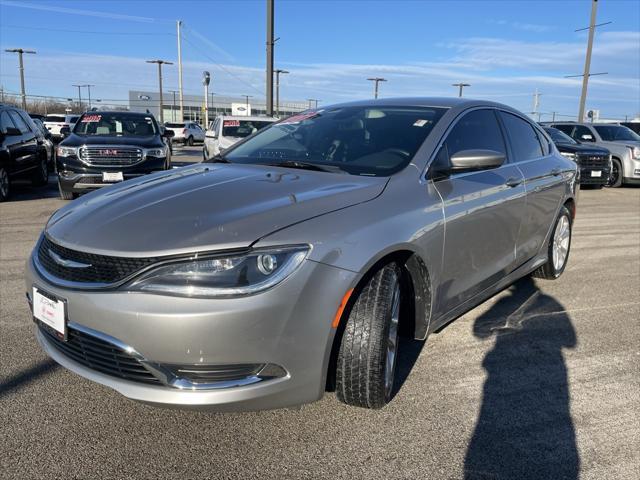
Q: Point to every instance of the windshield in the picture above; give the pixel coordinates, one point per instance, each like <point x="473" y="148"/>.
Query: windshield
<point x="242" y="128"/>
<point x="377" y="141"/>
<point x="559" y="137"/>
<point x="54" y="118"/>
<point x="613" y="133"/>
<point x="116" y="124"/>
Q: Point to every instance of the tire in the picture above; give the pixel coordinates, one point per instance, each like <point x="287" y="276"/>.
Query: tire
<point x="205" y="157"/>
<point x="554" y="267"/>
<point x="190" y="141"/>
<point x="5" y="185"/>
<point x="41" y="173"/>
<point x="65" y="195"/>
<point x="366" y="361"/>
<point x="615" y="179"/>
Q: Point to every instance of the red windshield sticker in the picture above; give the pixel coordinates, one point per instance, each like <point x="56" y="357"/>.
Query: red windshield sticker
<point x="91" y="118"/>
<point x="299" y="118"/>
<point x="231" y="123"/>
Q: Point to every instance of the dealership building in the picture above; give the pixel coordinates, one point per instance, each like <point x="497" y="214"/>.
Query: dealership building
<point x="142" y="101"/>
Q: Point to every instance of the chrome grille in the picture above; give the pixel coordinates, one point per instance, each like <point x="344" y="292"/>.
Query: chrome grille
<point x="111" y="156"/>
<point x="98" y="354"/>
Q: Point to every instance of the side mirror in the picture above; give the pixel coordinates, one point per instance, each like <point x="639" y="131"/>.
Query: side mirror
<point x="210" y="134"/>
<point x="12" y="132"/>
<point x="469" y="160"/>
<point x="65" y="131"/>
<point x="587" y="138"/>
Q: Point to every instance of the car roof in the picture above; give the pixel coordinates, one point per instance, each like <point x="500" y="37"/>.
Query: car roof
<point x="446" y="102"/>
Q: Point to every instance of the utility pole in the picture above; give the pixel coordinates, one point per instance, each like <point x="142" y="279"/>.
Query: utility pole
<point x="160" y="63"/>
<point x="376" y="81"/>
<point x="179" y="27"/>
<point x="173" y="105"/>
<point x="278" y="72"/>
<point x="553" y="116"/>
<point x="536" y="104"/>
<point x="270" y="43"/>
<point x="89" y="93"/>
<point x="79" y="97"/>
<point x="460" y="87"/>
<point x="20" y="51"/>
<point x="247" y="97"/>
<point x="206" y="79"/>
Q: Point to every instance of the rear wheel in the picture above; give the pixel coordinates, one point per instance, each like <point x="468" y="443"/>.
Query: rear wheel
<point x="558" y="248"/>
<point x="190" y="141"/>
<point x="5" y="185"/>
<point x="41" y="173"/>
<point x="615" y="180"/>
<point x="367" y="357"/>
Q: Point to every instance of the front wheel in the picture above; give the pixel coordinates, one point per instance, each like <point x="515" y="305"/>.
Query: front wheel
<point x="368" y="351"/>
<point x="558" y="248"/>
<point x="615" y="180"/>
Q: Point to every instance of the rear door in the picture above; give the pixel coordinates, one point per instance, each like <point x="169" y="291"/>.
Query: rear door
<point x="544" y="183"/>
<point x="483" y="212"/>
<point x="12" y="143"/>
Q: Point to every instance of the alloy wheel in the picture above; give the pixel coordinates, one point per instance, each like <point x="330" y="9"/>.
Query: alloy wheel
<point x="392" y="342"/>
<point x="561" y="239"/>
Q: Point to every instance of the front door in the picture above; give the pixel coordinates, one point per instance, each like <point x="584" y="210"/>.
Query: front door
<point x="482" y="210"/>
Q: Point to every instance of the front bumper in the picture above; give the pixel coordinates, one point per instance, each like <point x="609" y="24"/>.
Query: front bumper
<point x="288" y="326"/>
<point x="76" y="176"/>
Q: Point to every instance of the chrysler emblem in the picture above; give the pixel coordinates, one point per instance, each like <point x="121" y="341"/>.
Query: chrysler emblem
<point x="65" y="262"/>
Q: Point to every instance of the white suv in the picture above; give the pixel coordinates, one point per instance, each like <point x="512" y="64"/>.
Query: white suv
<point x="225" y="131"/>
<point x="55" y="121"/>
<point x="187" y="133"/>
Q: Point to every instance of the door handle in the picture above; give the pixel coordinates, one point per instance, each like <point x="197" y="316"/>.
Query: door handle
<point x="513" y="182"/>
<point x="556" y="172"/>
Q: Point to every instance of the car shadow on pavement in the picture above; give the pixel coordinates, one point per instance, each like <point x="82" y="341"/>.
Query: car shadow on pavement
<point x="524" y="429"/>
<point x="20" y="379"/>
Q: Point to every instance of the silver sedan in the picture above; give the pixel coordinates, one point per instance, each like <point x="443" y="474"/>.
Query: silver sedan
<point x="292" y="264"/>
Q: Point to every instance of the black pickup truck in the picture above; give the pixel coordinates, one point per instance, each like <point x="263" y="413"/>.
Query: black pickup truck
<point x="594" y="162"/>
<point x="108" y="147"/>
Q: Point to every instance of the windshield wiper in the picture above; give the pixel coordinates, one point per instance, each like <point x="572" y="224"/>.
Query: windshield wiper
<point x="218" y="159"/>
<point x="307" y="166"/>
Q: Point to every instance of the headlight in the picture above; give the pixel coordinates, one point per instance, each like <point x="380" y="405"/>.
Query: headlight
<point x="635" y="153"/>
<point x="223" y="276"/>
<point x="571" y="156"/>
<point x="155" y="152"/>
<point x="67" y="151"/>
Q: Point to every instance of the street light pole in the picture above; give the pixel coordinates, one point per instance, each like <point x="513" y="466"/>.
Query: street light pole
<point x="160" y="63"/>
<point x="79" y="97"/>
<point x="206" y="79"/>
<point x="179" y="28"/>
<point x="376" y="81"/>
<point x="89" y="93"/>
<point x="173" y="106"/>
<point x="460" y="87"/>
<point x="20" y="51"/>
<point x="278" y="72"/>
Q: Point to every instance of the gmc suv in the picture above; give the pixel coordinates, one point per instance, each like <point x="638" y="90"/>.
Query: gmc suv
<point x="109" y="147"/>
<point x="622" y="142"/>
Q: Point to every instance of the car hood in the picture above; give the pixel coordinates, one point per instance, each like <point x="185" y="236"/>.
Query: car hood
<point x="143" y="141"/>
<point x="582" y="149"/>
<point x="630" y="143"/>
<point x="203" y="207"/>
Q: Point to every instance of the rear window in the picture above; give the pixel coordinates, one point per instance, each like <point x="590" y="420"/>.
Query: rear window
<point x="242" y="128"/>
<point x="174" y="125"/>
<point x="54" y="118"/>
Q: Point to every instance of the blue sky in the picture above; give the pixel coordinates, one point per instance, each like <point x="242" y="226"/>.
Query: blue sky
<point x="505" y="49"/>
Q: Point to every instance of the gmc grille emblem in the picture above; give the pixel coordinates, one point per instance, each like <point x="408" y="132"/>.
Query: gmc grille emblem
<point x="108" y="152"/>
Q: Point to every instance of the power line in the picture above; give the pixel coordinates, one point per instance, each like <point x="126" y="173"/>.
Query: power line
<point x="21" y="27"/>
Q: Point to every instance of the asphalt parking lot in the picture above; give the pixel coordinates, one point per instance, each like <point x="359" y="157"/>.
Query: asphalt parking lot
<point x="542" y="381"/>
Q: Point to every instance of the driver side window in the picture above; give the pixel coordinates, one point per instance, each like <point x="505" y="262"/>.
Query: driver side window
<point x="477" y="130"/>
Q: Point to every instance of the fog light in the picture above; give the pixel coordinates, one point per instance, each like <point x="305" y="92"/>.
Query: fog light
<point x="267" y="264"/>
